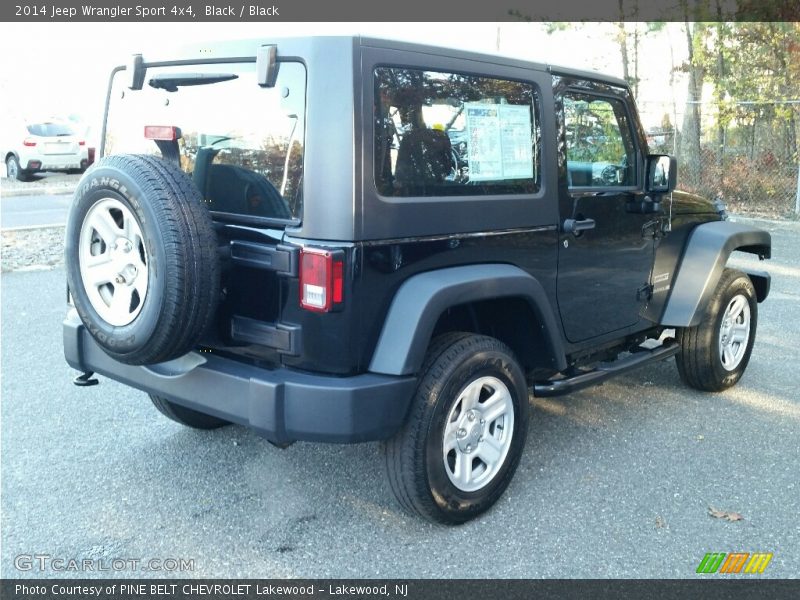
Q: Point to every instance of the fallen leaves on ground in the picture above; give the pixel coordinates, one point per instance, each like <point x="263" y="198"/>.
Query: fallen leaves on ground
<point x="728" y="515"/>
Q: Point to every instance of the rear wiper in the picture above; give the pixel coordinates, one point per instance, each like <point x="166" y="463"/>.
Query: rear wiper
<point x="171" y="83"/>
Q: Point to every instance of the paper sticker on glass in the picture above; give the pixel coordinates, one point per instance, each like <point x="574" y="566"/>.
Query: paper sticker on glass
<point x="500" y="141"/>
<point x="448" y="134"/>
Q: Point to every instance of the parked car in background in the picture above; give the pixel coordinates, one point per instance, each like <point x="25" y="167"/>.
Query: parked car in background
<point x="45" y="146"/>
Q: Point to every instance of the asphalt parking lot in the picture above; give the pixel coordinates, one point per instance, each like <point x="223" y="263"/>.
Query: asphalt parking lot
<point x="616" y="481"/>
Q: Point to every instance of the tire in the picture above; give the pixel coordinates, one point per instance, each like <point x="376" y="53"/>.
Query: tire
<point x="429" y="481"/>
<point x="14" y="171"/>
<point x="714" y="355"/>
<point x="141" y="257"/>
<point x="186" y="416"/>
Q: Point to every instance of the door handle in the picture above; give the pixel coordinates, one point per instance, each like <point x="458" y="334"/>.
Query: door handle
<point x="577" y="226"/>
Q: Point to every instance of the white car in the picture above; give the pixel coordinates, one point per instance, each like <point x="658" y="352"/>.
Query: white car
<point x="45" y="146"/>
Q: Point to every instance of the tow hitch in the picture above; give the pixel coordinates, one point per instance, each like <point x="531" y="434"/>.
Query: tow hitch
<point x="85" y="379"/>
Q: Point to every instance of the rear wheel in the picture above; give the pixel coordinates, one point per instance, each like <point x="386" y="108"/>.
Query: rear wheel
<point x="463" y="440"/>
<point x="14" y="171"/>
<point x="186" y="416"/>
<point x="715" y="353"/>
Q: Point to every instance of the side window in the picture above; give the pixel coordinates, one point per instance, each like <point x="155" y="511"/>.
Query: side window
<point x="447" y="134"/>
<point x="600" y="148"/>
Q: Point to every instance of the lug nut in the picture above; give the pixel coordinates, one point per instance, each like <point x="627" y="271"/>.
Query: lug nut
<point x="119" y="279"/>
<point x="469" y="448"/>
<point x="480" y="439"/>
<point x="471" y="416"/>
<point x="483" y="421"/>
<point x="462" y="433"/>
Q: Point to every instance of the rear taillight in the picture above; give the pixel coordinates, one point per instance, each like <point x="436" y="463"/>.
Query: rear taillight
<point x="82" y="143"/>
<point x="166" y="133"/>
<point x="29" y="143"/>
<point x="321" y="280"/>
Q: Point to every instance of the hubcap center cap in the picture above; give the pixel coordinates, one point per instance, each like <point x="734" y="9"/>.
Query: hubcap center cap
<point x="122" y="246"/>
<point x="121" y="254"/>
<point x="471" y="430"/>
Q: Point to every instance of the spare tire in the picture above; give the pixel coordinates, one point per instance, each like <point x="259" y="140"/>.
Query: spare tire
<point x="141" y="255"/>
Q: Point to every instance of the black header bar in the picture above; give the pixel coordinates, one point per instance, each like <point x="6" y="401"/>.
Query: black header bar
<point x="405" y="10"/>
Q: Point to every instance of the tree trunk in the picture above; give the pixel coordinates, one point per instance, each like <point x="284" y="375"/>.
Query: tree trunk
<point x="721" y="116"/>
<point x="690" y="134"/>
<point x="636" y="61"/>
<point x="622" y="40"/>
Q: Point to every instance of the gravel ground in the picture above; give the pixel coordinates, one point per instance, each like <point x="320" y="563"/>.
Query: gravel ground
<point x="29" y="249"/>
<point x="40" y="183"/>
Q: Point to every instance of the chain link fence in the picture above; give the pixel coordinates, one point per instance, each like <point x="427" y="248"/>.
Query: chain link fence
<point x="750" y="161"/>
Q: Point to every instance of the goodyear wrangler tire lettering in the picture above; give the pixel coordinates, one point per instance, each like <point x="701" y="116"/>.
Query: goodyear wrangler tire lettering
<point x="141" y="258"/>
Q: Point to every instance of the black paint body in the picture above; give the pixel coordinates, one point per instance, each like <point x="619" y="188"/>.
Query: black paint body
<point x="599" y="284"/>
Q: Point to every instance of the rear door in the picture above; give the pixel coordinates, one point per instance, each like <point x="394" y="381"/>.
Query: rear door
<point x="605" y="245"/>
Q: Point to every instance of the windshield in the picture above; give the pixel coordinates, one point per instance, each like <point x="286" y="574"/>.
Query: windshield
<point x="242" y="144"/>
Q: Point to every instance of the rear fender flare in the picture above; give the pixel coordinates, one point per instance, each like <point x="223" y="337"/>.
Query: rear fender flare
<point x="420" y="301"/>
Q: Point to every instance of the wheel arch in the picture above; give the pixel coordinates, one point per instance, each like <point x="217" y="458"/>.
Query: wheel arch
<point x="704" y="258"/>
<point x="423" y="301"/>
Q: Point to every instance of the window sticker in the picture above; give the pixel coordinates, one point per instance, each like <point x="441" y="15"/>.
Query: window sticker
<point x="500" y="141"/>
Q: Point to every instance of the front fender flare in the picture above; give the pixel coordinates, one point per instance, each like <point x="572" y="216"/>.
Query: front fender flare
<point x="420" y="301"/>
<point x="704" y="258"/>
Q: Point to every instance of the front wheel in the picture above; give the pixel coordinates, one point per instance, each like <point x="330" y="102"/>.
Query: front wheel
<point x="714" y="354"/>
<point x="464" y="436"/>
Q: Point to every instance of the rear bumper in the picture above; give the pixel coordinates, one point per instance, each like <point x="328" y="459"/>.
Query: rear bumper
<point x="281" y="405"/>
<point x="57" y="163"/>
<point x="36" y="161"/>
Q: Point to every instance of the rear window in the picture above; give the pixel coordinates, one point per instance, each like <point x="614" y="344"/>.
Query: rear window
<point x="241" y="144"/>
<point x="50" y="129"/>
<point x="448" y="134"/>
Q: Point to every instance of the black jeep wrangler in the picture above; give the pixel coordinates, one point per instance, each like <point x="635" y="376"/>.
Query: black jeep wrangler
<point x="349" y="239"/>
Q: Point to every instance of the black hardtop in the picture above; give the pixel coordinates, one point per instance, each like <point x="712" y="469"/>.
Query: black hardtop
<point x="498" y="59"/>
<point x="339" y="202"/>
<point x="293" y="45"/>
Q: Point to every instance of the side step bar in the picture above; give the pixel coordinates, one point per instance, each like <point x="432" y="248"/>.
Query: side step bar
<point x="603" y="371"/>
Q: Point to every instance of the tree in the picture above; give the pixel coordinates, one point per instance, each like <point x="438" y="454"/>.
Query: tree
<point x="690" y="139"/>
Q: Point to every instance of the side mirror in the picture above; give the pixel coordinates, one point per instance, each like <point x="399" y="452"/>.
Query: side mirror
<point x="662" y="173"/>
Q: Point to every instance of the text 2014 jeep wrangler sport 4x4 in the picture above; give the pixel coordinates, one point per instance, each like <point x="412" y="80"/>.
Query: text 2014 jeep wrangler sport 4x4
<point x="349" y="239"/>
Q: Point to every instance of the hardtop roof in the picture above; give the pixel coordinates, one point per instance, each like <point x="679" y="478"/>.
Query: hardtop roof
<point x="490" y="58"/>
<point x="238" y="48"/>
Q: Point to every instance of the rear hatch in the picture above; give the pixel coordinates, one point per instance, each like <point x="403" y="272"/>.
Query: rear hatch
<point x="55" y="139"/>
<point x="242" y="145"/>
